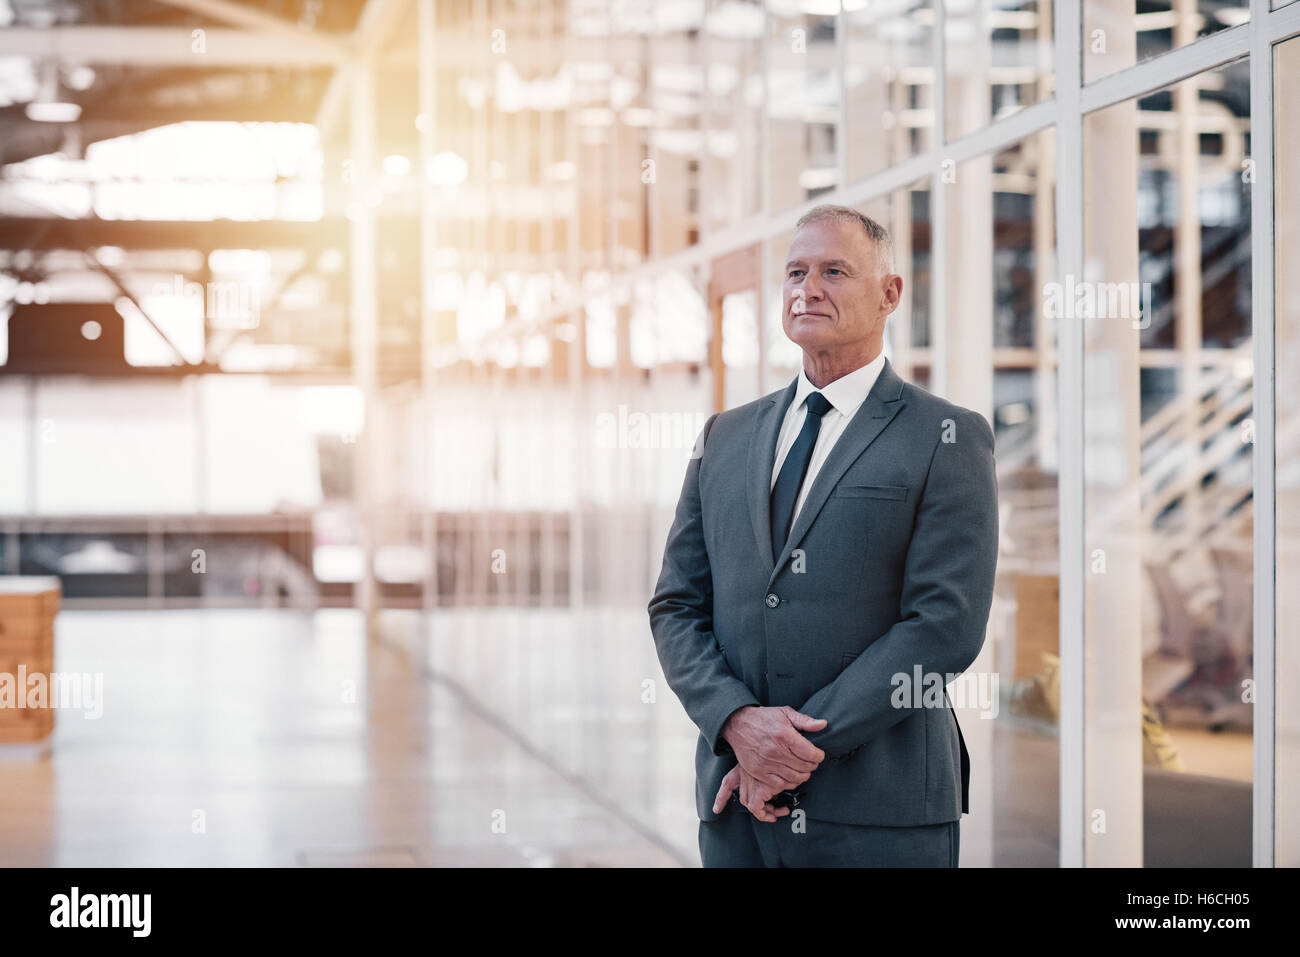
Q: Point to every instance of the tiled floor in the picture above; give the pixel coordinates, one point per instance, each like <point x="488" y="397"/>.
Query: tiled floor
<point x="272" y="738"/>
<point x="498" y="737"/>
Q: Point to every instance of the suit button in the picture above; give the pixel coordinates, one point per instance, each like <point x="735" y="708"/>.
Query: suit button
<point x="772" y="601"/>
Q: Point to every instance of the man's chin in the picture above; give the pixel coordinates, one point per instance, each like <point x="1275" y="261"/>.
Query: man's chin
<point x="810" y="340"/>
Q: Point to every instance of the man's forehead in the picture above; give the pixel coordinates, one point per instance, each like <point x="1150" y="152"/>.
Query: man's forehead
<point x="823" y="245"/>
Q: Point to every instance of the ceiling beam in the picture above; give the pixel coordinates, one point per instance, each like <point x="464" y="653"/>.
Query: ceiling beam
<point x="38" y="234"/>
<point x="250" y="18"/>
<point x="165" y="46"/>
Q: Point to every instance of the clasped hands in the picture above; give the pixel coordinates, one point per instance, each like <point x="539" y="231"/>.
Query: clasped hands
<point x="774" y="756"/>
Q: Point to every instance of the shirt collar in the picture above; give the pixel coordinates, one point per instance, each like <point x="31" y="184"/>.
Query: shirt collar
<point x="848" y="391"/>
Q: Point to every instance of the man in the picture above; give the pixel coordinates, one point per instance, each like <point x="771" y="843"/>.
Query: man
<point x="833" y="548"/>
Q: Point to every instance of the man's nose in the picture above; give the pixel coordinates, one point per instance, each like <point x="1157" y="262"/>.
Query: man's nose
<point x="812" y="290"/>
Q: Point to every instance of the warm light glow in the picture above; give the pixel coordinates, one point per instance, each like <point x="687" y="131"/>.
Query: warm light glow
<point x="183" y="171"/>
<point x="53" y="112"/>
<point x="332" y="409"/>
<point x="396" y="165"/>
<point x="80" y="78"/>
<point x="111" y="256"/>
<point x="447" y="169"/>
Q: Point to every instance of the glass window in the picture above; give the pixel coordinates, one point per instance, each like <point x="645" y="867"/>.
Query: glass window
<point x="1117" y="34"/>
<point x="731" y="177"/>
<point x="1165" y="302"/>
<point x="675" y="75"/>
<point x="888" y="84"/>
<point x="999" y="60"/>
<point x="803" y="105"/>
<point x="1000" y="259"/>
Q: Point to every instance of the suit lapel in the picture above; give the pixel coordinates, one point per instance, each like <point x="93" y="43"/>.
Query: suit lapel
<point x="883" y="402"/>
<point x="762" y="456"/>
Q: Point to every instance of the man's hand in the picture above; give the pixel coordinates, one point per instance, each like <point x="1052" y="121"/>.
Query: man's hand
<point x="753" y="796"/>
<point x="770" y="747"/>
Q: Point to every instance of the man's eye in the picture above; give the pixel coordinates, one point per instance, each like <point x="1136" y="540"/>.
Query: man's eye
<point x="832" y="269"/>
<point x="794" y="272"/>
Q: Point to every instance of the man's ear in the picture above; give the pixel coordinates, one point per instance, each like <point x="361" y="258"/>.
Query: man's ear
<point x="892" y="287"/>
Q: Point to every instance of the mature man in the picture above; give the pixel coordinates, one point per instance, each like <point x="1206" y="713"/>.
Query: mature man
<point x="833" y="548"/>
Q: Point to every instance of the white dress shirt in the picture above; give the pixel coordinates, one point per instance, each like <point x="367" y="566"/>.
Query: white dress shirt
<point x="846" y="394"/>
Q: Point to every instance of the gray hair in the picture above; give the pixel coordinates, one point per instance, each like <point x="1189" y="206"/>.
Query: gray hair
<point x="877" y="233"/>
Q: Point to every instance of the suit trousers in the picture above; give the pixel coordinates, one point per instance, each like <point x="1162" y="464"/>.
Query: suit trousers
<point x="738" y="839"/>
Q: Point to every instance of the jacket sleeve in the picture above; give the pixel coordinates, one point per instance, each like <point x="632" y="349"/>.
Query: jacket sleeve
<point x="681" y="618"/>
<point x="944" y="605"/>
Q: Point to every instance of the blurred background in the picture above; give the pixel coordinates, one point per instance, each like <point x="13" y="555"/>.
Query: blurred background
<point x="352" y="352"/>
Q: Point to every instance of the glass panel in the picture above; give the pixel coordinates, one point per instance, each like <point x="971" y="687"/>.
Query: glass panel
<point x="1165" y="300"/>
<point x="917" y="301"/>
<point x="1120" y="33"/>
<point x="735" y="102"/>
<point x="889" y="84"/>
<point x="733" y="311"/>
<point x="1001" y="255"/>
<point x="803" y="106"/>
<point x="675" y="76"/>
<point x="781" y="357"/>
<point x="999" y="60"/>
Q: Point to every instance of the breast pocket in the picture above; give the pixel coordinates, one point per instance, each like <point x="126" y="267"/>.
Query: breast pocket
<point x="896" y="493"/>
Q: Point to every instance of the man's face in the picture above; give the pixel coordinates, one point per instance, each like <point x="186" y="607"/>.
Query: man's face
<point x="837" y="292"/>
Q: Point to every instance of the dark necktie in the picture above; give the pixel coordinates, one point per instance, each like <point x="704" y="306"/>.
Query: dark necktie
<point x="786" y="490"/>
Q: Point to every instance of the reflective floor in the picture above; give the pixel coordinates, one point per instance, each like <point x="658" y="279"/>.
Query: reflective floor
<point x="272" y="738"/>
<point x="505" y="737"/>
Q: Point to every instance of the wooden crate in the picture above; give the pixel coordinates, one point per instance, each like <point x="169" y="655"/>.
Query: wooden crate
<point x="18" y="634"/>
<point x="33" y="661"/>
<point x="28" y="606"/>
<point x="25" y="725"/>
<point x="29" y="596"/>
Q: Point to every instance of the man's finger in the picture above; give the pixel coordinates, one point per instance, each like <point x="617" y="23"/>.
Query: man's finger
<point x="761" y="810"/>
<point x="729" y="784"/>
<point x="779" y="757"/>
<point x="757" y="800"/>
<point x="749" y="797"/>
<point x="804" y="722"/>
<point x="800" y="747"/>
<point x="778" y="779"/>
<point x="789" y="766"/>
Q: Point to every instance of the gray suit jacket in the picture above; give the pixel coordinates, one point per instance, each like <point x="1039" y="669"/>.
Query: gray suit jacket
<point x="897" y="547"/>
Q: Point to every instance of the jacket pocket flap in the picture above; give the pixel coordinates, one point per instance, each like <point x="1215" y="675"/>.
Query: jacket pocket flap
<point x="895" y="492"/>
